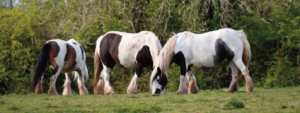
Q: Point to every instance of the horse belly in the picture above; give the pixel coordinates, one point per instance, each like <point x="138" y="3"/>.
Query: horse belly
<point x="203" y="57"/>
<point x="128" y="62"/>
<point x="204" y="62"/>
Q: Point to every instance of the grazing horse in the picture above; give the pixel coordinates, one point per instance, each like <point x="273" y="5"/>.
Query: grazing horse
<point x="204" y="50"/>
<point x="131" y="50"/>
<point x="62" y="56"/>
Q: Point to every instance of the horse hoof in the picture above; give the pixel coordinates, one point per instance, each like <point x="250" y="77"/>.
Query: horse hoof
<point x="193" y="92"/>
<point x="229" y="91"/>
<point x="181" y="92"/>
<point x="52" y="91"/>
<point x="98" y="90"/>
<point x="54" y="94"/>
<point x="249" y="91"/>
<point x="110" y="93"/>
<point x="131" y="92"/>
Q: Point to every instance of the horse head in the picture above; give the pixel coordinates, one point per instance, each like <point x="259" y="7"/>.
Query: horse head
<point x="158" y="81"/>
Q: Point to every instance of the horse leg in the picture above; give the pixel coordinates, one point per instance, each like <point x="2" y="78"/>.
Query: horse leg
<point x="52" y="89"/>
<point x="132" y="88"/>
<point x="100" y="85"/>
<point x="67" y="85"/>
<point x="81" y="85"/>
<point x="245" y="72"/>
<point x="234" y="87"/>
<point x="193" y="88"/>
<point x="39" y="87"/>
<point x="183" y="88"/>
<point x="108" y="90"/>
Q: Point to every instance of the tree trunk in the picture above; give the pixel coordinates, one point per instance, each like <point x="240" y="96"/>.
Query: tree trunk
<point x="11" y="4"/>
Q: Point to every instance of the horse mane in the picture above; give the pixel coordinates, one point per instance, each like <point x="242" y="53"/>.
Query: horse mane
<point x="166" y="54"/>
<point x="165" y="57"/>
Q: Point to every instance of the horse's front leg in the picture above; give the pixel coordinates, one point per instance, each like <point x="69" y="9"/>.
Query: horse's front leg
<point x="132" y="88"/>
<point x="183" y="87"/>
<point x="67" y="85"/>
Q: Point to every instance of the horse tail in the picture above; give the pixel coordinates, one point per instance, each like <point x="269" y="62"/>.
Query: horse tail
<point x="41" y="65"/>
<point x="246" y="53"/>
<point x="97" y="66"/>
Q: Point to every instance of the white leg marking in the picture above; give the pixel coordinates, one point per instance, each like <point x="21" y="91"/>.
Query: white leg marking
<point x="52" y="89"/>
<point x="183" y="89"/>
<point x="132" y="88"/>
<point x="245" y="72"/>
<point x="67" y="86"/>
<point x="234" y="83"/>
<point x="108" y="90"/>
<point x="81" y="86"/>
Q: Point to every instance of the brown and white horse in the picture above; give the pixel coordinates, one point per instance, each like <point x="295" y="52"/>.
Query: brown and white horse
<point x="126" y="49"/>
<point x="204" y="50"/>
<point x="63" y="57"/>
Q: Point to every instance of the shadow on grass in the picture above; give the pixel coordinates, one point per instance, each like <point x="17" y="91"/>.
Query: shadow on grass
<point x="2" y="102"/>
<point x="13" y="108"/>
<point x="233" y="104"/>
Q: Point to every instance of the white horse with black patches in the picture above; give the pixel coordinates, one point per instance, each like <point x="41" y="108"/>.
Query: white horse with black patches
<point x="131" y="50"/>
<point x="63" y="57"/>
<point x="202" y="51"/>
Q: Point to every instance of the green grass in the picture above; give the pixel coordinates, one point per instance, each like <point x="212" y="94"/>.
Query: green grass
<point x="262" y="100"/>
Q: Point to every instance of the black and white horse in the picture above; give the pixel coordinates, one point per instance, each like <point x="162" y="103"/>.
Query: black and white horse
<point x="202" y="51"/>
<point x="131" y="50"/>
<point x="63" y="57"/>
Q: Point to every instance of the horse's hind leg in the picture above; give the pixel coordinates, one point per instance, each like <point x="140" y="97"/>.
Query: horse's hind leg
<point x="52" y="89"/>
<point x="39" y="87"/>
<point x="234" y="83"/>
<point x="67" y="85"/>
<point x="132" y="88"/>
<point x="108" y="90"/>
<point x="100" y="85"/>
<point x="81" y="86"/>
<point x="245" y="72"/>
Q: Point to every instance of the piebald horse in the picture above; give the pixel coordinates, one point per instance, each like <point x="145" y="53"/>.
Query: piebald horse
<point x="63" y="57"/>
<point x="204" y="50"/>
<point x="130" y="50"/>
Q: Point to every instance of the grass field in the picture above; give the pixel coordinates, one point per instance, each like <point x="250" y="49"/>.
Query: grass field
<point x="262" y="100"/>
